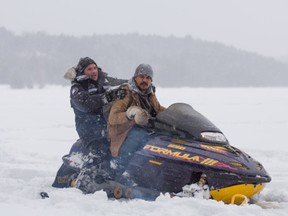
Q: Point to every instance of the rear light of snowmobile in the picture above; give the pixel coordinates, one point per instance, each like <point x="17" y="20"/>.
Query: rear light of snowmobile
<point x="214" y="137"/>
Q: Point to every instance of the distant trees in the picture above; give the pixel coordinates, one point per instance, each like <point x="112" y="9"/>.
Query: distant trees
<point x="40" y="59"/>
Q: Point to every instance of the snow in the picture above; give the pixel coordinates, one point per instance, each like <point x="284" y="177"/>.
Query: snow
<point x="37" y="129"/>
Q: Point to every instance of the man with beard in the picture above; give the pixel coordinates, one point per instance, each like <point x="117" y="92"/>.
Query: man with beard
<point x="129" y="117"/>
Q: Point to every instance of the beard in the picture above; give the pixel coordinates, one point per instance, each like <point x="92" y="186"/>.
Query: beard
<point x="143" y="86"/>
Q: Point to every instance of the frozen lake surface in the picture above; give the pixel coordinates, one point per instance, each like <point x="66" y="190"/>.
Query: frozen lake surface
<point x="37" y="128"/>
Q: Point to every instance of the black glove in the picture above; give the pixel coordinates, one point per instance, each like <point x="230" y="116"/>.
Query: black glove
<point x="119" y="93"/>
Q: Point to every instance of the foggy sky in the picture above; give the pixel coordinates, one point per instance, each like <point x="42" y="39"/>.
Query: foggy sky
<point x="253" y="25"/>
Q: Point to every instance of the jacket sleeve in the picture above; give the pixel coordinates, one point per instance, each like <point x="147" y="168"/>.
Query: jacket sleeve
<point x="83" y="101"/>
<point x="156" y="105"/>
<point x="115" y="81"/>
<point x="160" y="108"/>
<point x="118" y="110"/>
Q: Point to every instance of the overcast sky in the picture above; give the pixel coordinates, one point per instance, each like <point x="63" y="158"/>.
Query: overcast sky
<point x="253" y="25"/>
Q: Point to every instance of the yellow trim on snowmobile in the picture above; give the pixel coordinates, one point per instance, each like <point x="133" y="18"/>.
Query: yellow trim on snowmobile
<point x="155" y="162"/>
<point x="73" y="183"/>
<point x="226" y="194"/>
<point x="245" y="199"/>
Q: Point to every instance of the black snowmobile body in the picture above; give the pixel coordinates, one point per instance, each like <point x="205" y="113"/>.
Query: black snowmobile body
<point x="186" y="145"/>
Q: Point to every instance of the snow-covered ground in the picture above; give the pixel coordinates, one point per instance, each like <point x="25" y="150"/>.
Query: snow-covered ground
<point x="37" y="128"/>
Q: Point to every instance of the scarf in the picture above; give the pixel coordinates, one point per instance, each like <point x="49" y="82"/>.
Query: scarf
<point x="143" y="96"/>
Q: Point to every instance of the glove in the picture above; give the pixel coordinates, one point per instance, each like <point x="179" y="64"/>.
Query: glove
<point x="131" y="111"/>
<point x="140" y="115"/>
<point x="142" y="118"/>
<point x="113" y="94"/>
<point x="121" y="93"/>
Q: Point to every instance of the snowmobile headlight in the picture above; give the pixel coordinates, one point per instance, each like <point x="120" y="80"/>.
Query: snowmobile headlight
<point x="259" y="166"/>
<point x="213" y="137"/>
<point x="242" y="166"/>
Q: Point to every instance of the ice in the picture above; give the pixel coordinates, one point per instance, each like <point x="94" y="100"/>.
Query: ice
<point x="37" y="129"/>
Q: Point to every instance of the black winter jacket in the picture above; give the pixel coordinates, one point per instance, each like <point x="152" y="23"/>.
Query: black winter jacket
<point x="86" y="98"/>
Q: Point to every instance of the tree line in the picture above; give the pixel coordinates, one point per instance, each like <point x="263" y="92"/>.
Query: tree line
<point x="39" y="59"/>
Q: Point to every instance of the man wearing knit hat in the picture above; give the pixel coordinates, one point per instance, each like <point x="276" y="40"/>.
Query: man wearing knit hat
<point x="88" y="95"/>
<point x="129" y="116"/>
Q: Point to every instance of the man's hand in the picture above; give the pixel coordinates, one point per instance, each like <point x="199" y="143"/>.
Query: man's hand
<point x="121" y="93"/>
<point x="140" y="115"/>
<point x="113" y="94"/>
<point x="142" y="118"/>
<point x="131" y="111"/>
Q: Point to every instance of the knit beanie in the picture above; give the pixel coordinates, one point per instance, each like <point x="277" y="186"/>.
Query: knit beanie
<point x="144" y="69"/>
<point x="83" y="63"/>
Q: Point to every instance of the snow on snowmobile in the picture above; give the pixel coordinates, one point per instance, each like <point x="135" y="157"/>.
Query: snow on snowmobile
<point x="188" y="155"/>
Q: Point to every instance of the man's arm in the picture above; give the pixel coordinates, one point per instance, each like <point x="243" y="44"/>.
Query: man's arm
<point x="115" y="81"/>
<point x="83" y="101"/>
<point x="118" y="110"/>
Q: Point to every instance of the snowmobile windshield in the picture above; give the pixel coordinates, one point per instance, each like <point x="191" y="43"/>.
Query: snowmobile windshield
<point x="182" y="117"/>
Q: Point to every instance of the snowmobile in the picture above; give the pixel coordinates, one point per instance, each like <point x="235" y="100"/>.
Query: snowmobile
<point x="186" y="154"/>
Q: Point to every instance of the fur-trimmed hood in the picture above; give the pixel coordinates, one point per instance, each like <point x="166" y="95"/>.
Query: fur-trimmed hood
<point x="70" y="74"/>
